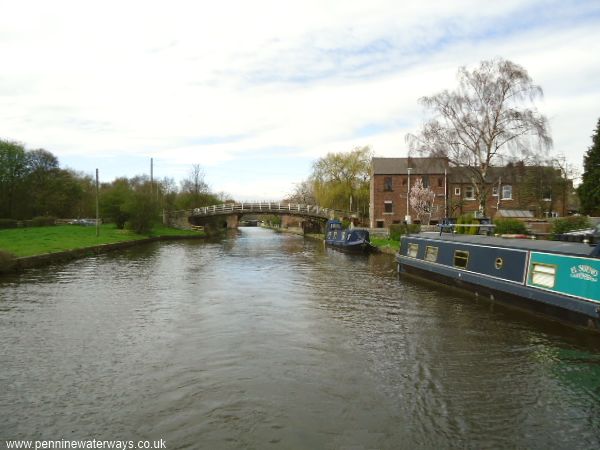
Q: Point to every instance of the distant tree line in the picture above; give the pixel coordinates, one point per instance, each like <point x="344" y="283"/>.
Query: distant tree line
<point x="32" y="184"/>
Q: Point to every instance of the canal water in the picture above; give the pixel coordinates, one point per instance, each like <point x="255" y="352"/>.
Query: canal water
<point x="267" y="340"/>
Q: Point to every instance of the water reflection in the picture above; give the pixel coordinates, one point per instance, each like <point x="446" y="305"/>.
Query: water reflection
<point x="267" y="339"/>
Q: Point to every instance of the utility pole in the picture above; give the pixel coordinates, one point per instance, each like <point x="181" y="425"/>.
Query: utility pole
<point x="407" y="218"/>
<point x="97" y="207"/>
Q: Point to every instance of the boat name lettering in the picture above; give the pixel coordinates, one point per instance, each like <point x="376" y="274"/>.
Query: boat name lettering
<point x="584" y="272"/>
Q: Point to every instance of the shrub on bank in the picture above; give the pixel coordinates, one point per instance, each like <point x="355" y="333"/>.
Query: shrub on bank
<point x="397" y="230"/>
<point x="7" y="261"/>
<point x="570" y="223"/>
<point x="42" y="221"/>
<point x="509" y="226"/>
<point x="8" y="223"/>
<point x="466" y="219"/>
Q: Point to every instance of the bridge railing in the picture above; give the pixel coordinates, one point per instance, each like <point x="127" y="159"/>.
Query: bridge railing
<point x="264" y="208"/>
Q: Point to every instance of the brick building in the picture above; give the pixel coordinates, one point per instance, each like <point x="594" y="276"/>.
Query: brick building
<point x="454" y="191"/>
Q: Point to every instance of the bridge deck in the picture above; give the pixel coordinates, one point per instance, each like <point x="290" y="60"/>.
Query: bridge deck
<point x="267" y="208"/>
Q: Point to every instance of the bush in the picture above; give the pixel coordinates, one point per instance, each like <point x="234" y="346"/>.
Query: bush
<point x="7" y="261"/>
<point x="570" y="223"/>
<point x="509" y="226"/>
<point x="398" y="229"/>
<point x="466" y="219"/>
<point x="8" y="223"/>
<point x="43" y="221"/>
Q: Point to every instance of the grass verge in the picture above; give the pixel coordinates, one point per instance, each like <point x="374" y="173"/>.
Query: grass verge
<point x="386" y="244"/>
<point x="40" y="240"/>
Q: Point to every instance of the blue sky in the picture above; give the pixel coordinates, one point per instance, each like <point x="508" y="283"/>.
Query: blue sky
<point x="256" y="91"/>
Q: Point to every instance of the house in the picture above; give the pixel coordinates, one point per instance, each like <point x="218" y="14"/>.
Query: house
<point x="539" y="189"/>
<point x="390" y="184"/>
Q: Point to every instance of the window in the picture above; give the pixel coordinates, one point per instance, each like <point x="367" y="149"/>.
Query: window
<point x="495" y="191"/>
<point x="431" y="253"/>
<point x="425" y="181"/>
<point x="461" y="258"/>
<point x="379" y="224"/>
<point x="498" y="263"/>
<point x="387" y="184"/>
<point x="440" y="182"/>
<point x="469" y="193"/>
<point x="456" y="191"/>
<point x="507" y="192"/>
<point x="388" y="207"/>
<point x="543" y="275"/>
<point x="412" y="250"/>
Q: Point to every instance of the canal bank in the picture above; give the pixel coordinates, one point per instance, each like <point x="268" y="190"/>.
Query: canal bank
<point x="36" y="247"/>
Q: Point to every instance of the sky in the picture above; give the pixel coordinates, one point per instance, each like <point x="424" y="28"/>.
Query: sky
<point x="256" y="91"/>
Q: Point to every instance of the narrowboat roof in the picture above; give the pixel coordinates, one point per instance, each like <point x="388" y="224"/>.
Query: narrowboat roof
<point x="567" y="248"/>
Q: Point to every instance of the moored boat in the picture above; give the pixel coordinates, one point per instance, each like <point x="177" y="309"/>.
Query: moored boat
<point x="354" y="240"/>
<point x="557" y="279"/>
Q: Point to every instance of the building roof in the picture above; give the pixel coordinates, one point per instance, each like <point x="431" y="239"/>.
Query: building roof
<point x="399" y="166"/>
<point x="514" y="213"/>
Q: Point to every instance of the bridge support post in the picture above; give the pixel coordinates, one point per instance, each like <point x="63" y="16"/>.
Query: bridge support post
<point x="233" y="221"/>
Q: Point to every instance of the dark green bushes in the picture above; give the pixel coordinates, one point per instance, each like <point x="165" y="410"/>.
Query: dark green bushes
<point x="570" y="223"/>
<point x="509" y="226"/>
<point x="43" y="221"/>
<point x="397" y="230"/>
<point x="466" y="219"/>
<point x="8" y="223"/>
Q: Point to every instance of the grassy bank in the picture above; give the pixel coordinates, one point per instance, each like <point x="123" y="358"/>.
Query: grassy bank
<point x="385" y="245"/>
<point x="40" y="240"/>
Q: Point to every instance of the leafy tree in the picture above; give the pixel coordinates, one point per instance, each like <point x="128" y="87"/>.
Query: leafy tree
<point x="13" y="167"/>
<point x="589" y="189"/>
<point x="113" y="198"/>
<point x="141" y="208"/>
<point x="483" y="122"/>
<point x="341" y="180"/>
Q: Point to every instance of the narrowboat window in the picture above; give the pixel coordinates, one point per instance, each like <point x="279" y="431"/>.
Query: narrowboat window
<point x="412" y="251"/>
<point x="461" y="258"/>
<point x="543" y="275"/>
<point x="499" y="263"/>
<point x="431" y="253"/>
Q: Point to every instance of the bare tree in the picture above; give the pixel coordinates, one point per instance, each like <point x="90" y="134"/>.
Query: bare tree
<point x="303" y="193"/>
<point x="484" y="122"/>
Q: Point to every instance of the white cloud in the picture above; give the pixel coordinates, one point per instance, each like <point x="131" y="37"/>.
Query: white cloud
<point x="212" y="82"/>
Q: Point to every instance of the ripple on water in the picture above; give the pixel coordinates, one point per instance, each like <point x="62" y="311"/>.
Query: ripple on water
<point x="266" y="339"/>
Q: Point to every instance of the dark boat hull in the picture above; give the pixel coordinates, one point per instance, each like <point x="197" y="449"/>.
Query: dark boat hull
<point x="350" y="247"/>
<point x="516" y="298"/>
<point x="560" y="281"/>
